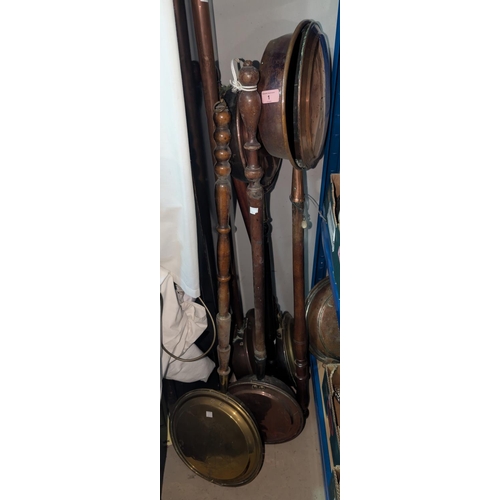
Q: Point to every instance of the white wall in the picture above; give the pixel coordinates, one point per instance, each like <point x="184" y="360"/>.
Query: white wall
<point x="243" y="29"/>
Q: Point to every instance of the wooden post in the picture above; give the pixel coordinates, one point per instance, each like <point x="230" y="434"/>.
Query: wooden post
<point x="300" y="346"/>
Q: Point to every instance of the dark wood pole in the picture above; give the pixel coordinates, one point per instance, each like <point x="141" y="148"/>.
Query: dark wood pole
<point x="300" y="346"/>
<point x="205" y="45"/>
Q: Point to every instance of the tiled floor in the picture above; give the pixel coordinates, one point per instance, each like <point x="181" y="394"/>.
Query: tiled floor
<point x="291" y="471"/>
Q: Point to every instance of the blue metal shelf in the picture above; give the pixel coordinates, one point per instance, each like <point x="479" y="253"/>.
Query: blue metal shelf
<point x="323" y="261"/>
<point x="331" y="160"/>
<point x="322" y="431"/>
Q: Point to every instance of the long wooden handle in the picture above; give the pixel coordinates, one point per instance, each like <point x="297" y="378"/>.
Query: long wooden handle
<point x="222" y="153"/>
<point x="271" y="306"/>
<point x="205" y="45"/>
<point x="300" y="344"/>
<point x="249" y="104"/>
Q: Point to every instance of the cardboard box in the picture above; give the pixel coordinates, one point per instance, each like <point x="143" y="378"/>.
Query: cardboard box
<point x="331" y="209"/>
<point x="334" y="489"/>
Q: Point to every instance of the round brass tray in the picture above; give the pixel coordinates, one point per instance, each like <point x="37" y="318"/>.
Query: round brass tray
<point x="216" y="437"/>
<point x="322" y="323"/>
<point x="273" y="404"/>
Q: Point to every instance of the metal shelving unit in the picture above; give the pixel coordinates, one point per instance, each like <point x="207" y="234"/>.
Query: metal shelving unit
<point x="324" y="263"/>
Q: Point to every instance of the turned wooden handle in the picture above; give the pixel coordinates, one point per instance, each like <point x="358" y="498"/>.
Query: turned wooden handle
<point x="222" y="153"/>
<point x="249" y="105"/>
<point x="270" y="302"/>
<point x="300" y="341"/>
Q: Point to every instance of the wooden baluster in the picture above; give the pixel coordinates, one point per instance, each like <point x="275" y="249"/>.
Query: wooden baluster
<point x="300" y="345"/>
<point x="210" y="84"/>
<point x="249" y="104"/>
<point x="222" y="154"/>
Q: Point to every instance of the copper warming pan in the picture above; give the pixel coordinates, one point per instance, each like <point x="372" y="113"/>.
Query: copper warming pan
<point x="311" y="105"/>
<point x="293" y="128"/>
<point x="271" y="402"/>
<point x="277" y="78"/>
<point x="295" y="89"/>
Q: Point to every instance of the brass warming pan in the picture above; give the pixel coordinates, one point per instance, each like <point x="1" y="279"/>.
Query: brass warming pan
<point x="213" y="433"/>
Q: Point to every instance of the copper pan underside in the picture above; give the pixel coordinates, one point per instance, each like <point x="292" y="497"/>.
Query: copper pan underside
<point x="297" y="66"/>
<point x="322" y="323"/>
<point x="277" y="72"/>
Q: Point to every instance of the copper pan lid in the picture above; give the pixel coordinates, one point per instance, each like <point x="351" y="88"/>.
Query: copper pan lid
<point x="311" y="105"/>
<point x="217" y="437"/>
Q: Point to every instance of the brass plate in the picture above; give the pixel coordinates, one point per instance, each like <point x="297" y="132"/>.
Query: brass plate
<point x="311" y="105"/>
<point x="216" y="437"/>
<point x="322" y="323"/>
<point x="273" y="405"/>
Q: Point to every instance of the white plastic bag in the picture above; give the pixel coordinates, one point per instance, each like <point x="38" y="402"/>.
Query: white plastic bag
<point x="183" y="321"/>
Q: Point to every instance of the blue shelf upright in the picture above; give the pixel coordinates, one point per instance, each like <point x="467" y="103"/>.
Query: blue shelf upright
<point x="323" y="251"/>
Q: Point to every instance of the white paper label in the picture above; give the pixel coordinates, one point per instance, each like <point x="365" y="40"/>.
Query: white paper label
<point x="254" y="211"/>
<point x="209" y="414"/>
